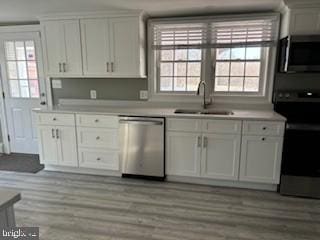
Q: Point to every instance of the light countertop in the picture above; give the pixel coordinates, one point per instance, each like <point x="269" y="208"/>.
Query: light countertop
<point x="8" y="198"/>
<point x="264" y="115"/>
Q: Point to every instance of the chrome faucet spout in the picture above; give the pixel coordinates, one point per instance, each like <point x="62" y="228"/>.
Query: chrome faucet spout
<point x="204" y="104"/>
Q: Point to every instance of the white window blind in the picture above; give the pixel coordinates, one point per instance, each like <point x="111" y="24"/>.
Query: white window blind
<point x="216" y="33"/>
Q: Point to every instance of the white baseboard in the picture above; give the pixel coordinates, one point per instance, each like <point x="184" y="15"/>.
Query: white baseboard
<point x="193" y="180"/>
<point x="223" y="183"/>
<point x="82" y="170"/>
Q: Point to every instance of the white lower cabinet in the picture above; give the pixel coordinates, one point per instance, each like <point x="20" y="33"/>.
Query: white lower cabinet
<point x="223" y="150"/>
<point x="183" y="154"/>
<point x="58" y="145"/>
<point x="220" y="156"/>
<point x="201" y="154"/>
<point x="261" y="159"/>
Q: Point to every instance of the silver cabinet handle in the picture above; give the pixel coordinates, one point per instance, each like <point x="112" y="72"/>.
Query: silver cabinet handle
<point x="107" y="66"/>
<point x="57" y="133"/>
<point x="263" y="139"/>
<point x="205" y="142"/>
<point x="112" y="67"/>
<point x="97" y="120"/>
<point x="264" y="128"/>
<point x="97" y="138"/>
<point x="60" y="67"/>
<point x="199" y="142"/>
<point x="98" y="159"/>
<point x="64" y="67"/>
<point x="52" y="131"/>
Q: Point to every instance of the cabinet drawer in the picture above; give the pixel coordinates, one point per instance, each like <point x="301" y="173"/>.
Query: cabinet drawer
<point x="221" y="126"/>
<point x="263" y="128"/>
<point x="103" y="121"/>
<point x="98" y="138"/>
<point x="185" y="125"/>
<point x="57" y="119"/>
<point x="90" y="158"/>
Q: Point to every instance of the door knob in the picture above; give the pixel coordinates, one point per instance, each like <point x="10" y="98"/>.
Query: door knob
<point x="43" y="103"/>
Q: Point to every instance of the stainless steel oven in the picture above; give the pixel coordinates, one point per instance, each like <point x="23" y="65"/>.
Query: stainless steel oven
<point x="299" y="54"/>
<point x="300" y="170"/>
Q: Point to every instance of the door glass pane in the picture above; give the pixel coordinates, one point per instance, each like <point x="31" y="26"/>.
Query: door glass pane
<point x="14" y="88"/>
<point x="22" y="70"/>
<point x="30" y="53"/>
<point x="34" y="88"/>
<point x="12" y="70"/>
<point x="32" y="70"/>
<point x="20" y="53"/>
<point x="10" y="53"/>
<point x="24" y="88"/>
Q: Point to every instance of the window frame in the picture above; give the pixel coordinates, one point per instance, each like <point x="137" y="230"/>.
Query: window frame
<point x="207" y="72"/>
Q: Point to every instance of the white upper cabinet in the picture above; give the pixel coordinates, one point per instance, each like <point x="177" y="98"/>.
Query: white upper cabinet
<point x="63" y="47"/>
<point x="304" y="21"/>
<point x="112" y="47"/>
<point x="95" y="45"/>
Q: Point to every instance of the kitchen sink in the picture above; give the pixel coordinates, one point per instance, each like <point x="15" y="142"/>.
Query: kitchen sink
<point x="205" y="112"/>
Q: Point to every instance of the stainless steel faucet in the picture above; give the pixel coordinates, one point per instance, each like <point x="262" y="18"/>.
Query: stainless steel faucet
<point x="205" y="104"/>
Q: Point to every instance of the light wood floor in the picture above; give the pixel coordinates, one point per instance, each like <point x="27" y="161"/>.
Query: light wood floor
<point x="71" y="206"/>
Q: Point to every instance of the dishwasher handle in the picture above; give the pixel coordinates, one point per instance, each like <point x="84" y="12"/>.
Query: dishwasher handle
<point x="141" y="122"/>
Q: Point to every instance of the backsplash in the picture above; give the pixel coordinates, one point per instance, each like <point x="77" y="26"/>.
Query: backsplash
<point x="107" y="89"/>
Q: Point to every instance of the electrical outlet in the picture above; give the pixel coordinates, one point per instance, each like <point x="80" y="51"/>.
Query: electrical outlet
<point x="143" y="94"/>
<point x="93" y="94"/>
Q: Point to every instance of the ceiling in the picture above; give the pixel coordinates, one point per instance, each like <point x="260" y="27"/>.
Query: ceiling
<point x="28" y="10"/>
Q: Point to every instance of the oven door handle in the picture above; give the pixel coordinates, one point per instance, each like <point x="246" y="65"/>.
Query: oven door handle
<point x="303" y="127"/>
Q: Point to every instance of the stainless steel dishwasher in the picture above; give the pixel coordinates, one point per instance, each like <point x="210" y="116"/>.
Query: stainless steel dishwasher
<point x="142" y="147"/>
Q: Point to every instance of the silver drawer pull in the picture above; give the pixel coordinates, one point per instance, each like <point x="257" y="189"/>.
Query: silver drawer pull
<point x="54" y="119"/>
<point x="264" y="128"/>
<point x="57" y="133"/>
<point x="97" y="120"/>
<point x="263" y="139"/>
<point x="98" y="159"/>
<point x="97" y="138"/>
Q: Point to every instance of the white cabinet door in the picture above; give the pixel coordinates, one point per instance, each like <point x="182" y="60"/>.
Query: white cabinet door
<point x="47" y="145"/>
<point x="53" y="46"/>
<point x="96" y="47"/>
<point x="220" y="156"/>
<point x="63" y="47"/>
<point x="261" y="159"/>
<point x="67" y="146"/>
<point x="305" y="21"/>
<point x="124" y="46"/>
<point x="183" y="154"/>
<point x="72" y="48"/>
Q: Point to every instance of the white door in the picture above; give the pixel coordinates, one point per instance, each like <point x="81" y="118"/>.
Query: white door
<point x="67" y="148"/>
<point x="24" y="88"/>
<point x="95" y="47"/>
<point x="220" y="156"/>
<point x="48" y="145"/>
<point x="183" y="154"/>
<point x="124" y="46"/>
<point x="261" y="159"/>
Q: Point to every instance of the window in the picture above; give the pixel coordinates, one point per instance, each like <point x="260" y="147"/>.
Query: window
<point x="180" y="70"/>
<point x="238" y="69"/>
<point x="237" y="48"/>
<point x="22" y="69"/>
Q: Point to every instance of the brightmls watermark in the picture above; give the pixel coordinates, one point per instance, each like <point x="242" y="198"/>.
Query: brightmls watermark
<point x="19" y="233"/>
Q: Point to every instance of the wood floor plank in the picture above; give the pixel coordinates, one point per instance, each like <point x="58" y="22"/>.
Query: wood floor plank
<point x="74" y="206"/>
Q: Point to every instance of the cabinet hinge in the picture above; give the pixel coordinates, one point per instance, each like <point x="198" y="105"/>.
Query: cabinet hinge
<point x="8" y="137"/>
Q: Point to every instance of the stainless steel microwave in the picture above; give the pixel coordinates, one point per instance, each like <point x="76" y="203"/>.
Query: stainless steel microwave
<point x="299" y="54"/>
